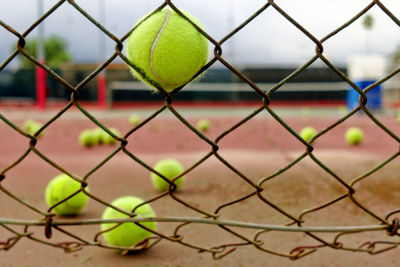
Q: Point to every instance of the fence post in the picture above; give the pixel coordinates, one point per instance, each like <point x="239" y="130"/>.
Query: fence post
<point x="40" y="87"/>
<point x="40" y="73"/>
<point x="101" y="89"/>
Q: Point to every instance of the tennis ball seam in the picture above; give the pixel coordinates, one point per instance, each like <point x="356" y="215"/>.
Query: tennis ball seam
<point x="140" y="70"/>
<point x="154" y="44"/>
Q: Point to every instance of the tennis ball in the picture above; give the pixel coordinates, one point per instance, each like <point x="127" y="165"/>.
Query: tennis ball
<point x="31" y="127"/>
<point x="134" y="119"/>
<point x="203" y="125"/>
<point x="108" y="139"/>
<point x="342" y="110"/>
<point x="27" y="125"/>
<point x="34" y="127"/>
<point x="61" y="187"/>
<point x="101" y="136"/>
<point x="354" y="136"/>
<point x="87" y="138"/>
<point x="169" y="168"/>
<point x="305" y="111"/>
<point x="127" y="234"/>
<point x="166" y="49"/>
<point x="307" y="133"/>
<point x="98" y="135"/>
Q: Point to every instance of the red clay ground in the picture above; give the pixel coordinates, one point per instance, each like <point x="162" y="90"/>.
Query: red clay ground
<point x="258" y="148"/>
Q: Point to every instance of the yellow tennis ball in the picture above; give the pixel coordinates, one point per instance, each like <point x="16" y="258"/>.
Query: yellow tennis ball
<point x="27" y="125"/>
<point x="61" y="187"/>
<point x="166" y="49"/>
<point x="108" y="139"/>
<point x="203" y="125"/>
<point x="98" y="135"/>
<point x="305" y="111"/>
<point x="307" y="133"/>
<point x="31" y="127"/>
<point x="342" y="110"/>
<point x="127" y="234"/>
<point x="87" y="138"/>
<point x="134" y="119"/>
<point x="354" y="136"/>
<point x="169" y="168"/>
<point x="35" y="127"/>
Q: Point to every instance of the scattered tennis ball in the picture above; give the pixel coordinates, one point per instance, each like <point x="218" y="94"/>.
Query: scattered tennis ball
<point x="88" y="138"/>
<point x="27" y="125"/>
<point x="203" y="125"/>
<point x="167" y="49"/>
<point x="354" y="136"/>
<point x="169" y="168"/>
<point x="98" y="135"/>
<point x="342" y="110"/>
<point x="34" y="127"/>
<point x="307" y="133"/>
<point x="108" y="139"/>
<point x="305" y="111"/>
<point x="127" y="234"/>
<point x="61" y="187"/>
<point x="134" y="119"/>
<point x="398" y="117"/>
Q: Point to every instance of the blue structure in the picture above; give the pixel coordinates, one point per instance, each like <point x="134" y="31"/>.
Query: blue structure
<point x="374" y="96"/>
<point x="364" y="70"/>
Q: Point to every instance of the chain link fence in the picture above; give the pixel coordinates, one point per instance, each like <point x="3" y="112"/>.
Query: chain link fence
<point x="49" y="223"/>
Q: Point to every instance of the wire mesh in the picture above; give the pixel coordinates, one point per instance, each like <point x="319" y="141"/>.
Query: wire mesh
<point x="49" y="223"/>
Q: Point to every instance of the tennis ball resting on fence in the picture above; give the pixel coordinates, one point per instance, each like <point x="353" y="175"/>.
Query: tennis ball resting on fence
<point x="167" y="50"/>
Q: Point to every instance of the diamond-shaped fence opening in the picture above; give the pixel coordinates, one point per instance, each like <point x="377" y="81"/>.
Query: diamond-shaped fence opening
<point x="218" y="213"/>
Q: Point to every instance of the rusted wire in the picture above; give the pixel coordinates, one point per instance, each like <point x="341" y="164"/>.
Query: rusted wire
<point x="296" y="222"/>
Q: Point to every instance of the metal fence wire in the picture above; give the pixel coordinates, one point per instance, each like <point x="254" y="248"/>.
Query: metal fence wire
<point x="49" y="223"/>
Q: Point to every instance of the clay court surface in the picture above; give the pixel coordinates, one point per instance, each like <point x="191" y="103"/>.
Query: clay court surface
<point x="258" y="148"/>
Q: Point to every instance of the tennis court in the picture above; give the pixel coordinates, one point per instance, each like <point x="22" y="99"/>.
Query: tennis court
<point x="258" y="149"/>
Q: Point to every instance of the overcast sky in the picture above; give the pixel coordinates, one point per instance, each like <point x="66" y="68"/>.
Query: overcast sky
<point x="270" y="39"/>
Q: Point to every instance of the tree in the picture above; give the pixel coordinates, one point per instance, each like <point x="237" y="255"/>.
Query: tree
<point x="368" y="23"/>
<point x="55" y="52"/>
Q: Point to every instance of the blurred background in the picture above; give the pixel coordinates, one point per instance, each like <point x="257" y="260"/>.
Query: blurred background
<point x="267" y="50"/>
